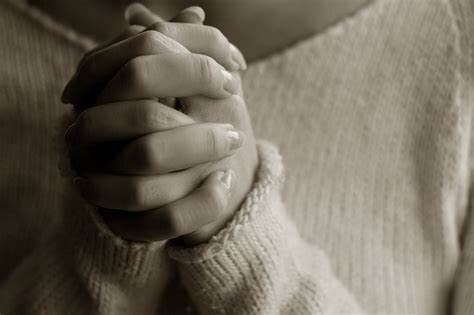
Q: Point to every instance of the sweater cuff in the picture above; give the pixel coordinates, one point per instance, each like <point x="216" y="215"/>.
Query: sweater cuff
<point x="98" y="251"/>
<point x="254" y="220"/>
<point x="239" y="265"/>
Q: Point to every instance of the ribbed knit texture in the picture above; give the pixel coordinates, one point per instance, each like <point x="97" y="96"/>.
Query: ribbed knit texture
<point x="372" y="122"/>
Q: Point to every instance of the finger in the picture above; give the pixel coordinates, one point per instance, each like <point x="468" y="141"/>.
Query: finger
<point x="203" y="39"/>
<point x="202" y="108"/>
<point x="204" y="205"/>
<point x="139" y="17"/>
<point x="136" y="193"/>
<point x="137" y="13"/>
<point x="98" y="68"/>
<point x="203" y="234"/>
<point x="172" y="150"/>
<point x="129" y="31"/>
<point x="122" y="121"/>
<point x="170" y="74"/>
<point x="169" y="101"/>
<point x="194" y="15"/>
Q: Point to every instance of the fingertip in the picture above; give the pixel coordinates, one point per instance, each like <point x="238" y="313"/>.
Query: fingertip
<point x="132" y="9"/>
<point x="137" y="13"/>
<point x="198" y="11"/>
<point x="230" y="85"/>
<point x="193" y="14"/>
<point x="66" y="95"/>
<point x="237" y="57"/>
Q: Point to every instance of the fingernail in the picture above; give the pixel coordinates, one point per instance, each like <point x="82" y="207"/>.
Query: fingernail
<point x="226" y="179"/>
<point x="237" y="57"/>
<point x="235" y="139"/>
<point x="230" y="83"/>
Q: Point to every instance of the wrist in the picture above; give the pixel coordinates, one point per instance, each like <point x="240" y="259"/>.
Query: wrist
<point x="268" y="179"/>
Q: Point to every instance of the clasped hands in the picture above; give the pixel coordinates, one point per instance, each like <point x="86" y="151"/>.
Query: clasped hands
<point x="162" y="142"/>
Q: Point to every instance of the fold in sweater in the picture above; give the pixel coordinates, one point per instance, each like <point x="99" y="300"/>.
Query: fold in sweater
<point x="373" y="121"/>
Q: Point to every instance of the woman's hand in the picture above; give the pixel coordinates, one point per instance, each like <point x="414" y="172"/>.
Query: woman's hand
<point x="145" y="159"/>
<point x="189" y="49"/>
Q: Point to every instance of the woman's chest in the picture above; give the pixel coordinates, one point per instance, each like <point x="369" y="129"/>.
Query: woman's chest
<point x="374" y="139"/>
<point x="367" y="108"/>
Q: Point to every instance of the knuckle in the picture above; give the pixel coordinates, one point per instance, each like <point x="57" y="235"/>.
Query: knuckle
<point x="132" y="73"/>
<point x="152" y="116"/>
<point x="84" y="124"/>
<point x="218" y="42"/>
<point x="88" y="68"/>
<point x="145" y="116"/>
<point x="161" y="27"/>
<point x="133" y="30"/>
<point x="138" y="194"/>
<point x="148" y="41"/>
<point x="205" y="66"/>
<point x="145" y="156"/>
<point x="212" y="141"/>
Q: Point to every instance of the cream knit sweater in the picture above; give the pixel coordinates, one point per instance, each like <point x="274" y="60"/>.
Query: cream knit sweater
<point x="373" y="121"/>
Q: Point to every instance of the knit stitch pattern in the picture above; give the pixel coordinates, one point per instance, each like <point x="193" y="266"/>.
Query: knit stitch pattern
<point x="370" y="123"/>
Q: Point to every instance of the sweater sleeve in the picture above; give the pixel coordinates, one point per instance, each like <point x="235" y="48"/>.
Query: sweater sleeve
<point x="259" y="264"/>
<point x="464" y="286"/>
<point x="463" y="294"/>
<point x="85" y="269"/>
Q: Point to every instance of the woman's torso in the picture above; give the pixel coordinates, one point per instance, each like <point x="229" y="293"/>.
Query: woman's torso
<point x="368" y="120"/>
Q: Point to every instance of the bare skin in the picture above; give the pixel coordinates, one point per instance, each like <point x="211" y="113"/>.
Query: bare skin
<point x="147" y="65"/>
<point x="191" y="213"/>
<point x="273" y="24"/>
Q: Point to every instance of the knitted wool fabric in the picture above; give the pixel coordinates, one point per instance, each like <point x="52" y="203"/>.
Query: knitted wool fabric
<point x="372" y="122"/>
